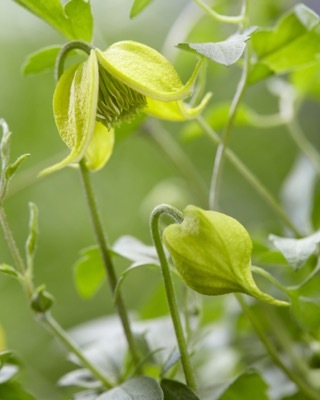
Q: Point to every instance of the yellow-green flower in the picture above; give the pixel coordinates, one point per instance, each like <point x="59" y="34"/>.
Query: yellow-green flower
<point x="94" y="96"/>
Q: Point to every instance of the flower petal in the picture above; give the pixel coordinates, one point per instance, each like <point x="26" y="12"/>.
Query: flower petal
<point x="175" y="110"/>
<point x="100" y="148"/>
<point x="145" y="70"/>
<point x="74" y="105"/>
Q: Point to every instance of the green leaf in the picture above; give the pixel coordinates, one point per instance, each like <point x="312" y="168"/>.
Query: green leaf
<point x="8" y="270"/>
<point x="12" y="168"/>
<point x="294" y="43"/>
<point x="249" y="385"/>
<point x="142" y="388"/>
<point x="138" y="6"/>
<point x="81" y="20"/>
<point x="14" y="391"/>
<point x="41" y="60"/>
<point x="33" y="235"/>
<point x="174" y="390"/>
<point x="212" y="252"/>
<point x="307" y="81"/>
<point x="306" y="311"/>
<point x="74" y="20"/>
<point x="227" y="52"/>
<point x="81" y="378"/>
<point x="134" y="250"/>
<point x="296" y="251"/>
<point x="89" y="272"/>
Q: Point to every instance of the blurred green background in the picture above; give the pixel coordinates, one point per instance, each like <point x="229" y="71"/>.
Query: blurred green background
<point x="138" y="176"/>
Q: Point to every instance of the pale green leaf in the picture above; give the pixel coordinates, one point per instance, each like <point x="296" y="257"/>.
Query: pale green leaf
<point x="89" y="272"/>
<point x="74" y="21"/>
<point x="307" y="81"/>
<point x="134" y="250"/>
<point x="138" y="6"/>
<point x="12" y="390"/>
<point x="40" y="61"/>
<point x="249" y="385"/>
<point x="142" y="388"/>
<point x="294" y="43"/>
<point x="296" y="251"/>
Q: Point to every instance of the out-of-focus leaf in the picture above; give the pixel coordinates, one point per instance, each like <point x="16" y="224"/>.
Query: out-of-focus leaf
<point x="306" y="311"/>
<point x="41" y="60"/>
<point x="142" y="388"/>
<point x="249" y="385"/>
<point x="307" y="81"/>
<point x="14" y="391"/>
<point x="41" y="300"/>
<point x="138" y="6"/>
<point x="262" y="254"/>
<point x="134" y="250"/>
<point x="296" y="251"/>
<point x="7" y="372"/>
<point x="227" y="52"/>
<point x="298" y="203"/>
<point x="12" y="168"/>
<point x="173" y="358"/>
<point x="80" y="378"/>
<point x="294" y="43"/>
<point x="74" y="20"/>
<point x="8" y="270"/>
<point x="89" y="272"/>
<point x="174" y="390"/>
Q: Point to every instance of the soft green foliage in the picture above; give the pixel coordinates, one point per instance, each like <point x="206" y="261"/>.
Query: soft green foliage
<point x="89" y="272"/>
<point x="41" y="60"/>
<point x="212" y="252"/>
<point x="138" y="6"/>
<point x="74" y="20"/>
<point x="142" y="388"/>
<point x="174" y="390"/>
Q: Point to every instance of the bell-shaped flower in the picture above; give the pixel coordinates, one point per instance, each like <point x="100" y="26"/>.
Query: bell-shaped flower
<point x="212" y="253"/>
<point x="94" y="96"/>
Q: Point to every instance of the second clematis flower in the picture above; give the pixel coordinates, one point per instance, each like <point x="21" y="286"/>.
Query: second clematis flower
<point x="94" y="96"/>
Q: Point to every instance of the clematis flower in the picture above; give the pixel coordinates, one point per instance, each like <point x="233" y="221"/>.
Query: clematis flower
<point x="94" y="96"/>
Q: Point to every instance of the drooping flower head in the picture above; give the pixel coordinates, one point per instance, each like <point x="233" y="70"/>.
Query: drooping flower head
<point x="94" y="96"/>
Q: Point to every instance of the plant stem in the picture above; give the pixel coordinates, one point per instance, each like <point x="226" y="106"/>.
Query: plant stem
<point x="108" y="263"/>
<point x="221" y="18"/>
<point x="15" y="253"/>
<point x="225" y="138"/>
<point x="170" y="292"/>
<point x="304" y="388"/>
<point x="251" y="178"/>
<point x="174" y="152"/>
<point x="303" y="143"/>
<point x="269" y="277"/>
<point x="52" y="325"/>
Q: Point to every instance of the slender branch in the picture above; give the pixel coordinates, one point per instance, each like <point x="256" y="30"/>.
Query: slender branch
<point x="250" y="178"/>
<point x="108" y="263"/>
<point x="52" y="325"/>
<point x="170" y="292"/>
<point x="225" y="138"/>
<point x="221" y="18"/>
<point x="304" y="388"/>
<point x="269" y="277"/>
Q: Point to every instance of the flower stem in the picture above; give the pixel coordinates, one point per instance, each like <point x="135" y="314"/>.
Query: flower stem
<point x="251" y="178"/>
<point x="269" y="277"/>
<point x="170" y="292"/>
<point x="108" y="263"/>
<point x="218" y="17"/>
<point x="304" y="388"/>
<point x="52" y="325"/>
<point x="225" y="138"/>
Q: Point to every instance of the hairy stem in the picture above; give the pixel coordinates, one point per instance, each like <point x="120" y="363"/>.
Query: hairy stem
<point x="108" y="263"/>
<point x="251" y="178"/>
<point x="303" y="386"/>
<point x="170" y="292"/>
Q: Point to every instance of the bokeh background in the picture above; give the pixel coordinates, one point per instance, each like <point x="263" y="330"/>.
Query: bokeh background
<point x="138" y="176"/>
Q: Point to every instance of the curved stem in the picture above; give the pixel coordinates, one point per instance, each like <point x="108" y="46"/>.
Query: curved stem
<point x="269" y="277"/>
<point x="218" y="17"/>
<point x="52" y="325"/>
<point x="304" y="388"/>
<point x="75" y="45"/>
<point x="108" y="263"/>
<point x="250" y="178"/>
<point x="225" y="138"/>
<point x="171" y="296"/>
